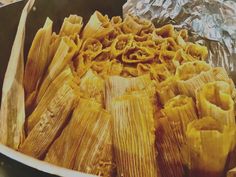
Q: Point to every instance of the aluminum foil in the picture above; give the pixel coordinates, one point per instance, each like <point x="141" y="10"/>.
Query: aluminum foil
<point x="210" y="22"/>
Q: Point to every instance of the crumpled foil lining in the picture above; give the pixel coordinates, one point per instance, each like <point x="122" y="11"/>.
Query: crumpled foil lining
<point x="210" y="22"/>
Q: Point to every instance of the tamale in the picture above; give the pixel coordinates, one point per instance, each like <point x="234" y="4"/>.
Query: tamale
<point x="92" y="46"/>
<point x="97" y="26"/>
<point x="117" y="86"/>
<point x="37" y="62"/>
<point x="197" y="51"/>
<point x="165" y="31"/>
<point x="92" y="86"/>
<point x="137" y="54"/>
<point x="134" y="137"/>
<point x="214" y="99"/>
<point x="167" y="89"/>
<point x="94" y="154"/>
<point x="34" y="117"/>
<point x="72" y="25"/>
<point x="209" y="144"/>
<point x="63" y="56"/>
<point x="193" y="75"/>
<point x="51" y="121"/>
<point x="86" y="140"/>
<point x="135" y="25"/>
<point x="121" y="43"/>
<point x="180" y="110"/>
<point x="169" y="157"/>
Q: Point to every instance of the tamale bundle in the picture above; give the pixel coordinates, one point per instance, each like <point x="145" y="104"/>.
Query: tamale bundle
<point x="37" y="62"/>
<point x="193" y="75"/>
<point x="117" y="86"/>
<point x="209" y="144"/>
<point x="180" y="110"/>
<point x="167" y="89"/>
<point x="98" y="25"/>
<point x="169" y="157"/>
<point x="62" y="58"/>
<point x="51" y="121"/>
<point x="85" y="144"/>
<point x="214" y="99"/>
<point x="65" y="77"/>
<point x="93" y="87"/>
<point x="71" y="25"/>
<point x="133" y="136"/>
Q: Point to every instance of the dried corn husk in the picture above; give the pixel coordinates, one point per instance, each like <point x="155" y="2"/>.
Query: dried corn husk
<point x="97" y="26"/>
<point x="193" y="75"/>
<point x="65" y="77"/>
<point x="209" y="145"/>
<point x="72" y="25"/>
<point x="121" y="43"/>
<point x="214" y="99"/>
<point x="169" y="157"/>
<point x="51" y="121"/>
<point x="180" y="110"/>
<point x="12" y="113"/>
<point x="94" y="154"/>
<point x="133" y="136"/>
<point x="167" y="89"/>
<point x="117" y="86"/>
<point x="62" y="58"/>
<point x="37" y="62"/>
<point x="86" y="141"/>
<point x="92" y="86"/>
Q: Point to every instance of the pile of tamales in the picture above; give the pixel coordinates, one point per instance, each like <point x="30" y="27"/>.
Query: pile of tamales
<point x="122" y="98"/>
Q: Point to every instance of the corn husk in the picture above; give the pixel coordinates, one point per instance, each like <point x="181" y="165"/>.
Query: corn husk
<point x="12" y="113"/>
<point x="92" y="46"/>
<point x="209" y="145"/>
<point x="51" y="121"/>
<point x="85" y="144"/>
<point x="121" y="43"/>
<point x="133" y="136"/>
<point x="62" y="58"/>
<point x="167" y="90"/>
<point x="222" y="75"/>
<point x="65" y="77"/>
<point x="180" y="111"/>
<point x="193" y="75"/>
<point x="117" y="86"/>
<point x="169" y="156"/>
<point x="97" y="26"/>
<point x="72" y="25"/>
<point x="37" y="62"/>
<point x="94" y="154"/>
<point x="92" y="87"/>
<point x="135" y="25"/>
<point x="214" y="99"/>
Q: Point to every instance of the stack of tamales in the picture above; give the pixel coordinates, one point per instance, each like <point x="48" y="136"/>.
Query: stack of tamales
<point x="121" y="98"/>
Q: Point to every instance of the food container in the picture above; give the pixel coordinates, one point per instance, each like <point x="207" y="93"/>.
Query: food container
<point x="56" y="11"/>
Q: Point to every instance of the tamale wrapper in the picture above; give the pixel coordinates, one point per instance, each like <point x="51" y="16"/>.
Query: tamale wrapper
<point x="51" y="122"/>
<point x="133" y="136"/>
<point x="12" y="104"/>
<point x="85" y="144"/>
<point x="117" y="86"/>
<point x="209" y="145"/>
<point x="169" y="156"/>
